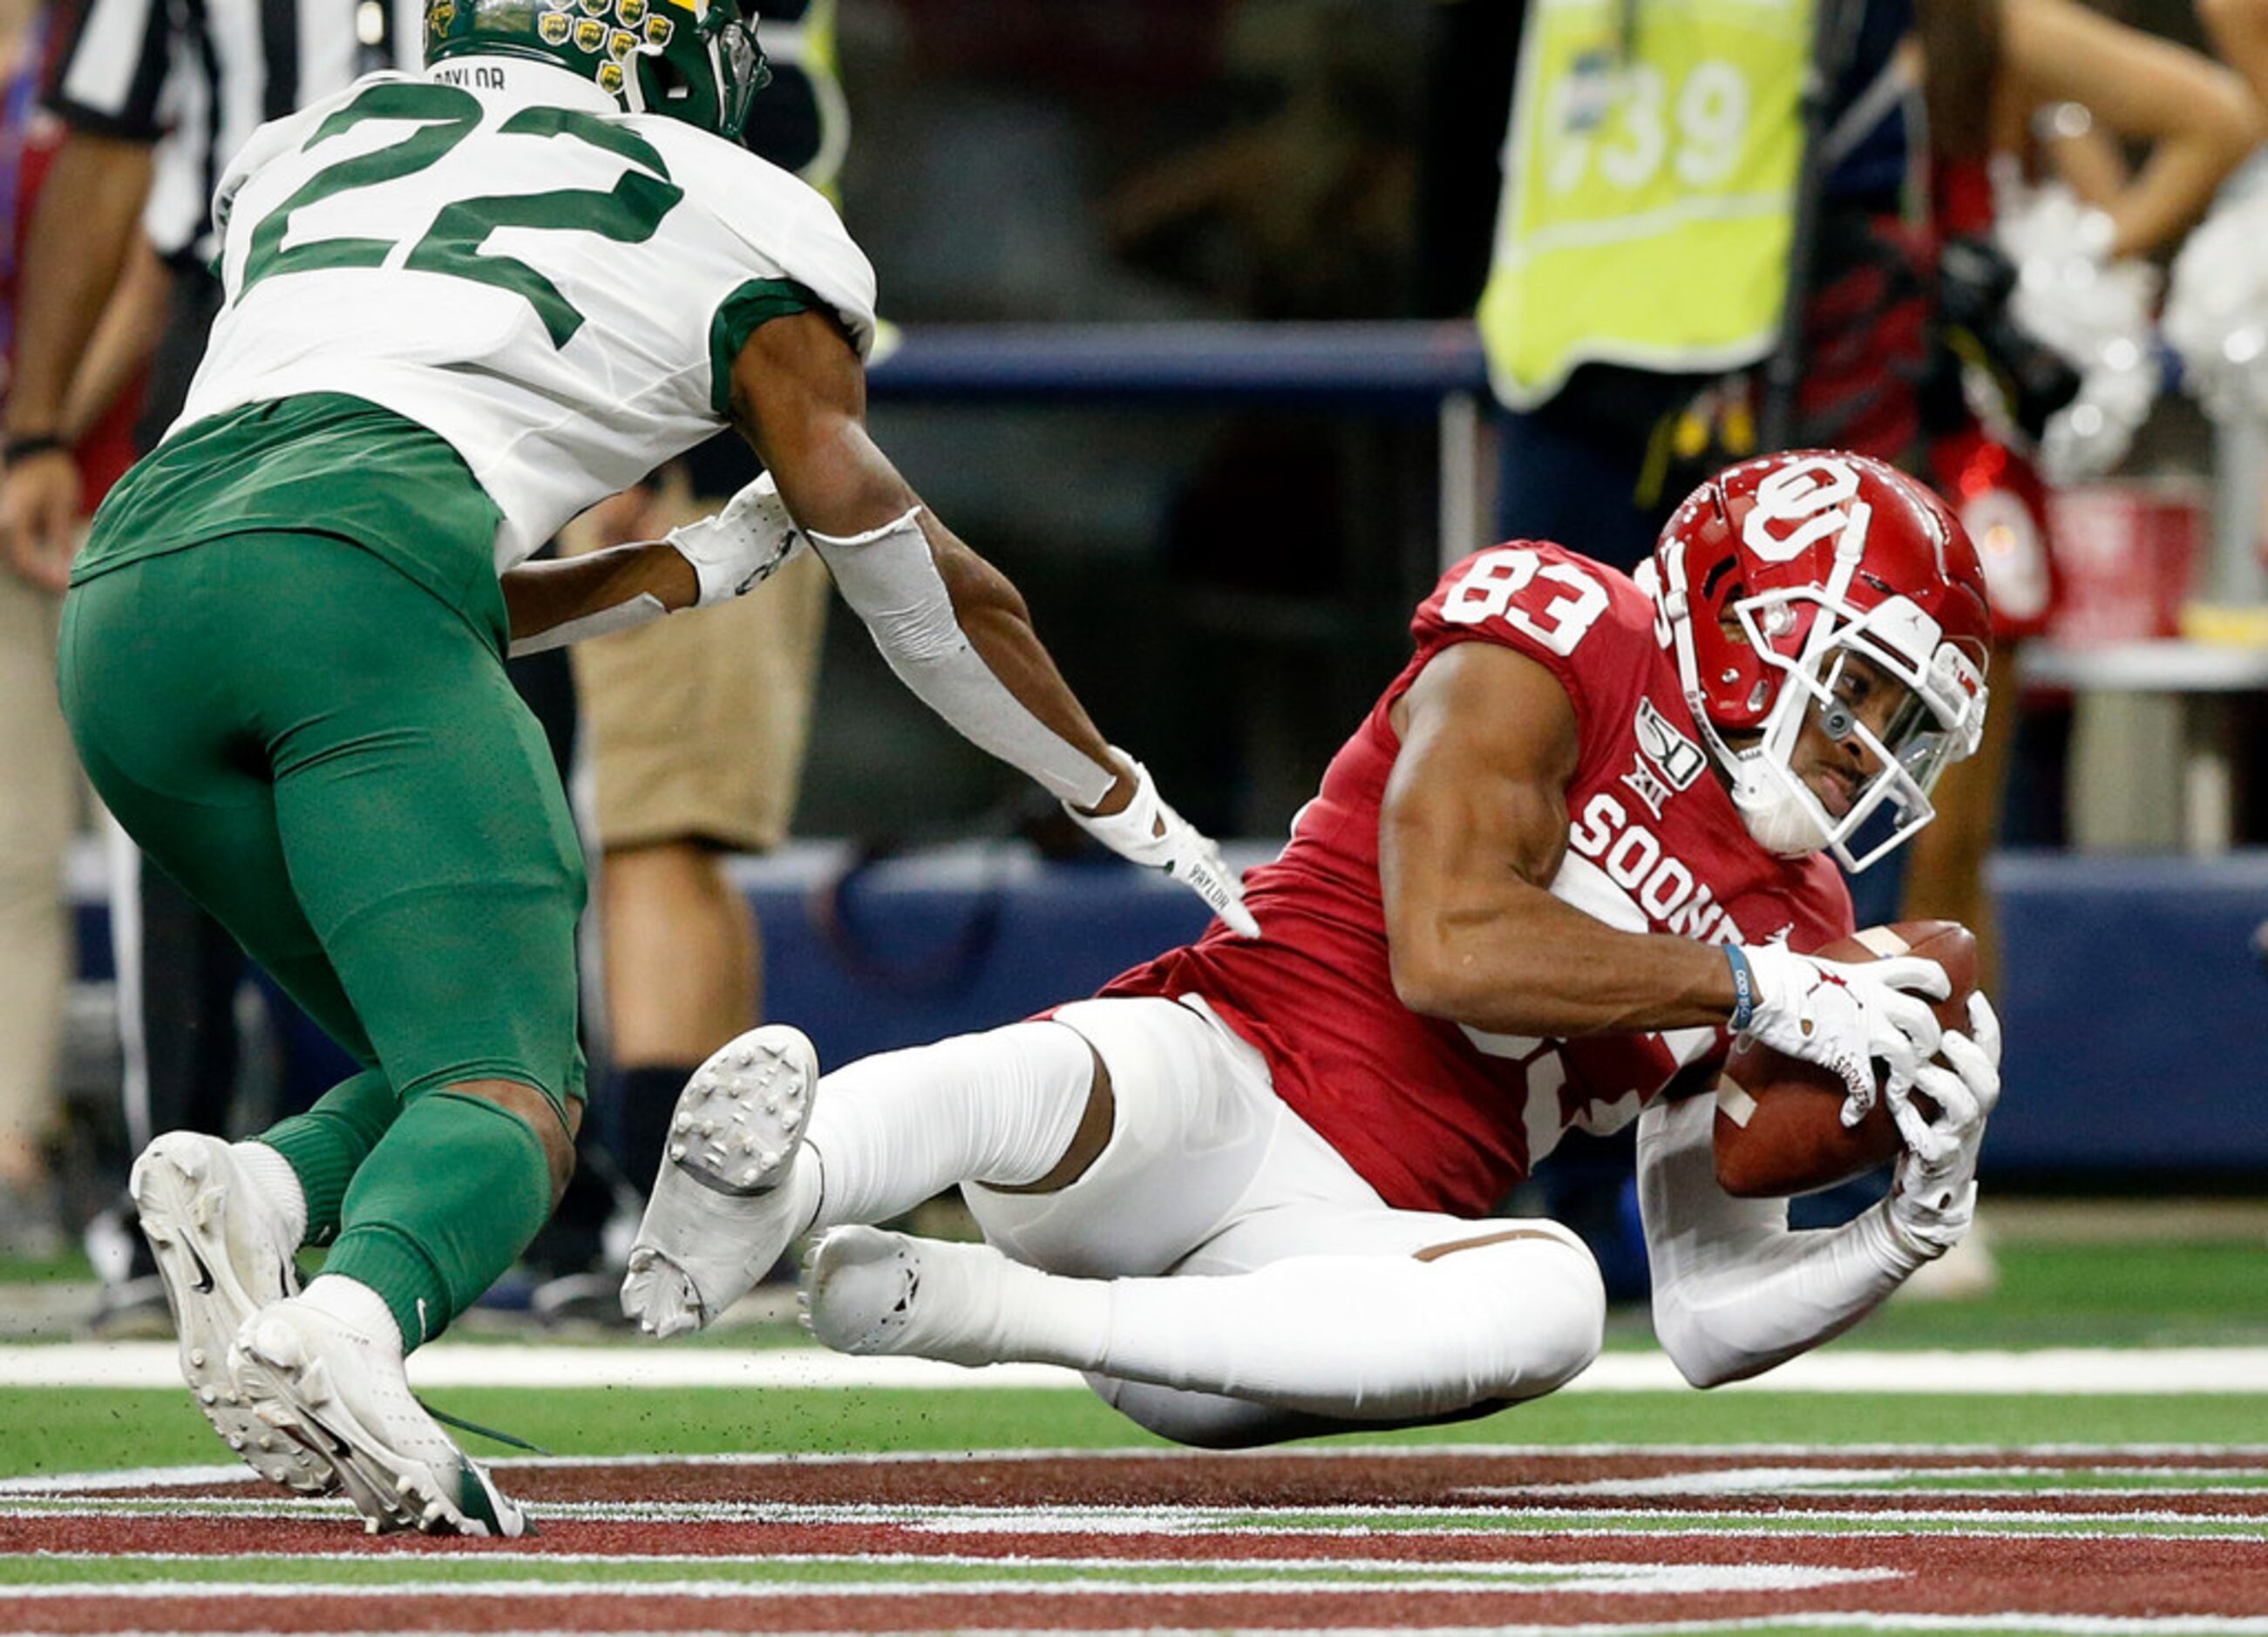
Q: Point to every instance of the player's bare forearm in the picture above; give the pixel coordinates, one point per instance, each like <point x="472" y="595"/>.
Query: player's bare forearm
<point x="82" y="227"/>
<point x="1472" y="831"/>
<point x="1506" y="956"/>
<point x="993" y="616"/>
<point x="541" y="597"/>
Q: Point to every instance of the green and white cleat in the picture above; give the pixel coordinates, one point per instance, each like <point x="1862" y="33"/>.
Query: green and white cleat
<point x="729" y="1196"/>
<point x="340" y="1393"/>
<point x="223" y="1251"/>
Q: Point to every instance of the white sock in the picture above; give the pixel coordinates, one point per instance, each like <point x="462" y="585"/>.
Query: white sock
<point x="272" y="1174"/>
<point x="891" y="1130"/>
<point x="355" y="1305"/>
<point x="1356" y="1338"/>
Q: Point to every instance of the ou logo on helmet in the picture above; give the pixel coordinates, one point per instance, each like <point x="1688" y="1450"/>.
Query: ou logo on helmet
<point x="1797" y="506"/>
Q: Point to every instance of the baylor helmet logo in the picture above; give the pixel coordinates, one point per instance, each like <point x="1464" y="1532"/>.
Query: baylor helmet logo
<point x="552" y="27"/>
<point x="610" y="78"/>
<point x="590" y="34"/>
<point x="620" y="44"/>
<point x="630" y="13"/>
<point x="658" y="31"/>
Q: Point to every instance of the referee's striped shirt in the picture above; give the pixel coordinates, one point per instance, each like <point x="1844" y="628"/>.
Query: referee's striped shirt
<point x="196" y="78"/>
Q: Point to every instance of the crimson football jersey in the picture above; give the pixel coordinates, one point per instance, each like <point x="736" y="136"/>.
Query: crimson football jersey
<point x="1435" y="1116"/>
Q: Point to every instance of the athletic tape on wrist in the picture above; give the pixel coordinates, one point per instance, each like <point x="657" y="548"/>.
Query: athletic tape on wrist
<point x="890" y="580"/>
<point x="1744" y="987"/>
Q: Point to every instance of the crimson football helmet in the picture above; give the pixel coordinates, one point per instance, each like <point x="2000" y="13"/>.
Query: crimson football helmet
<point x="1767" y="582"/>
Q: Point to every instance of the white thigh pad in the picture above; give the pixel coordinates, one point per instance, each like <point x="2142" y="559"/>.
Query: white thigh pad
<point x="1193" y="1119"/>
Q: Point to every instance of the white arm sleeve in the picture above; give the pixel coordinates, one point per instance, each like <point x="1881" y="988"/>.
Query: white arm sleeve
<point x="891" y="582"/>
<point x="1735" y="1290"/>
<point x="638" y="610"/>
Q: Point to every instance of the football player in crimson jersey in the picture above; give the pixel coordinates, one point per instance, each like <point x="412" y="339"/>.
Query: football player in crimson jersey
<point x="1575" y="848"/>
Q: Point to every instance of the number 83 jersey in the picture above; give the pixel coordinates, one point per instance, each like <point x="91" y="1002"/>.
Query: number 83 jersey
<point x="1434" y="1114"/>
<point x="496" y="252"/>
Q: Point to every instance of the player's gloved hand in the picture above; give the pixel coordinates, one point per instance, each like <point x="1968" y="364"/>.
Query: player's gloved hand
<point x="1933" y="1198"/>
<point x="739" y="548"/>
<point x="1842" y="1016"/>
<point x="1147" y="831"/>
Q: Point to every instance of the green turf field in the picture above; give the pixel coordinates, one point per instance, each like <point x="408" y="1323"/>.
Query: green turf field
<point x="2209" y="1291"/>
<point x="61" y="1430"/>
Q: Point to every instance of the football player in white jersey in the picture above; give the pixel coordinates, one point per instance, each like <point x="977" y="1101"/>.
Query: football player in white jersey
<point x="1578" y="844"/>
<point x="461" y="306"/>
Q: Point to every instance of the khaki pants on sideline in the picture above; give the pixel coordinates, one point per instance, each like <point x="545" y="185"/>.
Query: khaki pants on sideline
<point x="696" y="724"/>
<point x="38" y="797"/>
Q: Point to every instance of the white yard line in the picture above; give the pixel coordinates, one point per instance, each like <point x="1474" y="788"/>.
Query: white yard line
<point x="2076" y="1370"/>
<point x="1516" y="1580"/>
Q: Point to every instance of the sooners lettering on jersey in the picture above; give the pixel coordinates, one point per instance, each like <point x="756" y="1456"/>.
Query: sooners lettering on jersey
<point x="1436" y="1116"/>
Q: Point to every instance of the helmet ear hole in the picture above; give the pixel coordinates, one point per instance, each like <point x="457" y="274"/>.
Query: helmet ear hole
<point x="669" y="80"/>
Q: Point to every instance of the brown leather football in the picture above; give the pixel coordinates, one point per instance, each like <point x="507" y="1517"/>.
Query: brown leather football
<point x="1780" y="1120"/>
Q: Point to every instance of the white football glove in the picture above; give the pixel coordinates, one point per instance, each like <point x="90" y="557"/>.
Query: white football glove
<point x="734" y="550"/>
<point x="1934" y="1196"/>
<point x="1147" y="831"/>
<point x="1842" y="1016"/>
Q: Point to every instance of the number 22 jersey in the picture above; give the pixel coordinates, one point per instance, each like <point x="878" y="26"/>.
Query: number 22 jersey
<point x="495" y="251"/>
<point x="1434" y="1114"/>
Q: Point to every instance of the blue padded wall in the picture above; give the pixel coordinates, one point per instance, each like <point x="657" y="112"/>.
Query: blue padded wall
<point x="2135" y="999"/>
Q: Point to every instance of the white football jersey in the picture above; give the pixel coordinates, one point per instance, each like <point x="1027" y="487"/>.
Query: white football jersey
<point x="495" y="250"/>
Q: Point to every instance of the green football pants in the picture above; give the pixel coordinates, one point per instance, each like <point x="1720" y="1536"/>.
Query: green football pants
<point x="332" y="761"/>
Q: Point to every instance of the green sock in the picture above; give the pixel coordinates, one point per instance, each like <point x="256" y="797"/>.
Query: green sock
<point x="327" y="1145"/>
<point x="444" y="1204"/>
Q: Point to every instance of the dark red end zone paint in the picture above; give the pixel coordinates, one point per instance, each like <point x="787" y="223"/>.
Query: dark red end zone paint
<point x="1968" y="1575"/>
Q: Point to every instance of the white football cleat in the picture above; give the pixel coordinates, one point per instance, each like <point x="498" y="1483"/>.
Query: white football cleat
<point x="340" y="1393"/>
<point x="223" y="1251"/>
<point x="872" y="1292"/>
<point x="729" y="1196"/>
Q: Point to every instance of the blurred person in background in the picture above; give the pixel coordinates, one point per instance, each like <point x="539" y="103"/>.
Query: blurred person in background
<point x="153" y="100"/>
<point x="2075" y="93"/>
<point x="89" y="442"/>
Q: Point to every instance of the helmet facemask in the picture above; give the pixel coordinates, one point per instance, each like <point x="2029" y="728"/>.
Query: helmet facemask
<point x="1832" y="659"/>
<point x="706" y="75"/>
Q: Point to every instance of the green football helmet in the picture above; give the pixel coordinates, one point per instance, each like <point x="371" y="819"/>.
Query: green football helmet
<point x="693" y="60"/>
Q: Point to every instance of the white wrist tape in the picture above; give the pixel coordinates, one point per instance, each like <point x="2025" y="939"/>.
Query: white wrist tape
<point x="637" y="611"/>
<point x="891" y="582"/>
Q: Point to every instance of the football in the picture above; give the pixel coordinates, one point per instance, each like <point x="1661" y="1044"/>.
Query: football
<point x="1780" y="1120"/>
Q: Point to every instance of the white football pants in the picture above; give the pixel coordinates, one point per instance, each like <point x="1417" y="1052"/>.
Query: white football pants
<point x="1259" y="1289"/>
